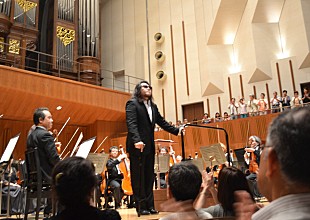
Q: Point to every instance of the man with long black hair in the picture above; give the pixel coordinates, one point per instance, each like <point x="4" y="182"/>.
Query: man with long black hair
<point x="141" y="116"/>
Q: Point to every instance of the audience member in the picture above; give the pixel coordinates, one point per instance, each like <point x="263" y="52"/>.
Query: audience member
<point x="262" y="104"/>
<point x="217" y="117"/>
<point x="306" y="97"/>
<point x="243" y="108"/>
<point x="296" y="100"/>
<point x="184" y="182"/>
<point x="226" y="117"/>
<point x="286" y="101"/>
<point x="178" y="124"/>
<point x="73" y="182"/>
<point x="252" y="105"/>
<point x="205" y="119"/>
<point x="283" y="176"/>
<point x="230" y="179"/>
<point x="185" y="121"/>
<point x="233" y="109"/>
<point x="275" y="102"/>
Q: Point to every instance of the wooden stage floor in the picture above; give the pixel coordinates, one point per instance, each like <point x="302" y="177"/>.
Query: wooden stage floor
<point x="126" y="214"/>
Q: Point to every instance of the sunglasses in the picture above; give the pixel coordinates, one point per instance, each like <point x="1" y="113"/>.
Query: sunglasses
<point x="147" y="86"/>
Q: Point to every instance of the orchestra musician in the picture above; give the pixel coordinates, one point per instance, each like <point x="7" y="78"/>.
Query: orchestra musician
<point x="114" y="174"/>
<point x="252" y="154"/>
<point x="252" y="158"/>
<point x="43" y="140"/>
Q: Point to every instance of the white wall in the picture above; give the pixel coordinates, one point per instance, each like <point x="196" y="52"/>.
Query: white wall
<point x="255" y="46"/>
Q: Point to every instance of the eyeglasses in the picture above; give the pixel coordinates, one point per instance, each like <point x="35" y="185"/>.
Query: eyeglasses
<point x="147" y="86"/>
<point x="262" y="147"/>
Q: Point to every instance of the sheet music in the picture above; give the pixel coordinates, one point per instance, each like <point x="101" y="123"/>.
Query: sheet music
<point x="99" y="161"/>
<point x="198" y="162"/>
<point x="215" y="151"/>
<point x="9" y="149"/>
<point x="164" y="163"/>
<point x="85" y="147"/>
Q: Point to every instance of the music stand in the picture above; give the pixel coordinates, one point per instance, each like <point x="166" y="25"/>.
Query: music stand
<point x="164" y="160"/>
<point x="5" y="164"/>
<point x="85" y="147"/>
<point x="162" y="163"/>
<point x="240" y="159"/>
<point x="198" y="163"/>
<point x="213" y="155"/>
<point x="99" y="161"/>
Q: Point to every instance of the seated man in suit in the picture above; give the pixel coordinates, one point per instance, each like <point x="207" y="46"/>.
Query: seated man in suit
<point x="43" y="140"/>
<point x="114" y="174"/>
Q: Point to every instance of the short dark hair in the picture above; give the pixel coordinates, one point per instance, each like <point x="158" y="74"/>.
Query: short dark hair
<point x="296" y="92"/>
<point x="137" y="92"/>
<point x="289" y="136"/>
<point x="113" y="147"/>
<point x="38" y="113"/>
<point x="263" y="94"/>
<point x="284" y="91"/>
<point x="230" y="179"/>
<point x="73" y="180"/>
<point x="184" y="181"/>
<point x="112" y="214"/>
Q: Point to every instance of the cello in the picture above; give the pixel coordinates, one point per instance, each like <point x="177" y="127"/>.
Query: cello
<point x="124" y="166"/>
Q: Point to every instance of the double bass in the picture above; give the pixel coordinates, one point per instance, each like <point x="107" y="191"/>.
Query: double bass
<point x="124" y="166"/>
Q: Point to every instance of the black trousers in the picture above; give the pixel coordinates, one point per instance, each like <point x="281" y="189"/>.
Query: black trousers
<point x="117" y="191"/>
<point x="142" y="179"/>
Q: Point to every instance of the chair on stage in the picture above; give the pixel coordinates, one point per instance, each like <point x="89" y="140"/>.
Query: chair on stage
<point x="36" y="188"/>
<point x="108" y="191"/>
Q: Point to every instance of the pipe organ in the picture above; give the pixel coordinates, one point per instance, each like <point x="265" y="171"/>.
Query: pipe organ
<point x="89" y="40"/>
<point x="66" y="32"/>
<point x="77" y="31"/>
<point x="18" y="29"/>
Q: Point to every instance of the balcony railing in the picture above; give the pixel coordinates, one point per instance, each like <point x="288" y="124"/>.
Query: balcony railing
<point x="64" y="67"/>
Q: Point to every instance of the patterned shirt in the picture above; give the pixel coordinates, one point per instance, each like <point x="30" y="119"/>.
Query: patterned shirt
<point x="294" y="206"/>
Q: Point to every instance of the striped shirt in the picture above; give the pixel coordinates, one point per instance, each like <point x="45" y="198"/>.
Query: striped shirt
<point x="294" y="206"/>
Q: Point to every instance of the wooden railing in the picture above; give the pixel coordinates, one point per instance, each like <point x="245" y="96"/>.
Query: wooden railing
<point x="194" y="138"/>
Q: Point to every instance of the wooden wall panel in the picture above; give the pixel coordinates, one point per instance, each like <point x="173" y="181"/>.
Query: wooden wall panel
<point x="9" y="128"/>
<point x="238" y="132"/>
<point x="22" y="91"/>
<point x="100" y="129"/>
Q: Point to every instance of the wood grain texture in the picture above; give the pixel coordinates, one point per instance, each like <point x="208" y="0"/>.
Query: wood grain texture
<point x="22" y="91"/>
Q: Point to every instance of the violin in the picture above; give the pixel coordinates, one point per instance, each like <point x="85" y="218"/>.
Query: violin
<point x="172" y="156"/>
<point x="253" y="166"/>
<point x="57" y="143"/>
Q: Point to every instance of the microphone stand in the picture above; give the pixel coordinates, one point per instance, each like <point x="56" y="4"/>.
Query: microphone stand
<point x="207" y="127"/>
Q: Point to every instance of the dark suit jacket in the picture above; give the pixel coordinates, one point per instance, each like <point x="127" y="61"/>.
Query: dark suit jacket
<point x="44" y="141"/>
<point x="140" y="128"/>
<point x="112" y="169"/>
